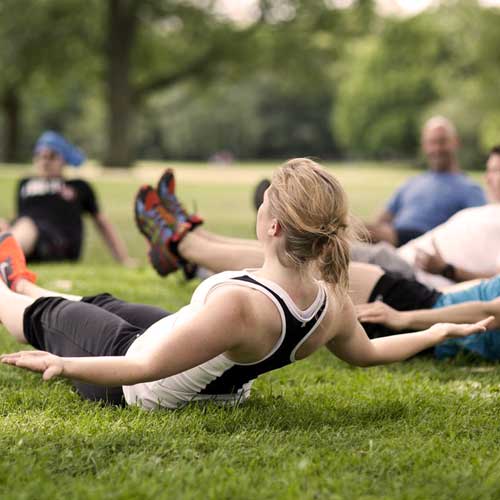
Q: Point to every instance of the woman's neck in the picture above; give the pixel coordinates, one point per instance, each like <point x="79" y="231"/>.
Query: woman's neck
<point x="301" y="286"/>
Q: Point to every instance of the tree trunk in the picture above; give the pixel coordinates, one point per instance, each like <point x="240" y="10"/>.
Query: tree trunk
<point x="122" y="23"/>
<point x="11" y="105"/>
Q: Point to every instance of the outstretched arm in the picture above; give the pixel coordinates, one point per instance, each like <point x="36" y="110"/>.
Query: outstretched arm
<point x="218" y="327"/>
<point x="468" y="312"/>
<point x="113" y="241"/>
<point x="352" y="344"/>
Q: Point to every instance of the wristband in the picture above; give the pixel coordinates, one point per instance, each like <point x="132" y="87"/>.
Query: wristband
<point x="449" y="272"/>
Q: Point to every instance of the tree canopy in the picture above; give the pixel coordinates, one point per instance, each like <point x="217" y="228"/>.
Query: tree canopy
<point x="177" y="79"/>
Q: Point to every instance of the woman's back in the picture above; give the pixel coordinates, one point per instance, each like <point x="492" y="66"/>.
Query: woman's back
<point x="281" y="334"/>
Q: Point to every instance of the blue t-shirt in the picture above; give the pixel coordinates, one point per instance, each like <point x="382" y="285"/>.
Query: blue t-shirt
<point x="429" y="199"/>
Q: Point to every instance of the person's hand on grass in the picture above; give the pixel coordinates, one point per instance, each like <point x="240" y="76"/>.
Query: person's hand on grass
<point x="378" y="312"/>
<point x="48" y="364"/>
<point x="432" y="263"/>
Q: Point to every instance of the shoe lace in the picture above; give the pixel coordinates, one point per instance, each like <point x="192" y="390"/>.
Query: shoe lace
<point x="155" y="222"/>
<point x="177" y="208"/>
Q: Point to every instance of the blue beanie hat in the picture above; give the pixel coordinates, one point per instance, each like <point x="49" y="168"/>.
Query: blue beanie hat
<point x="52" y="140"/>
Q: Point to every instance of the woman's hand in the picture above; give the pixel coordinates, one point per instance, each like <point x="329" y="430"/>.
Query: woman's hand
<point x="37" y="361"/>
<point x="454" y="330"/>
<point x="378" y="312"/>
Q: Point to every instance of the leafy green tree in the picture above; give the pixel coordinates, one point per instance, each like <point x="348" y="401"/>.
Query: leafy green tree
<point x="468" y="82"/>
<point x="155" y="44"/>
<point x="39" y="40"/>
<point x="444" y="61"/>
<point x="388" y="80"/>
<point x="274" y="103"/>
<point x="257" y="118"/>
<point x="134" y="49"/>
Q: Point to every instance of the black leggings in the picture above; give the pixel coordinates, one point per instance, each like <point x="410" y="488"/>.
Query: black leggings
<point x="100" y="325"/>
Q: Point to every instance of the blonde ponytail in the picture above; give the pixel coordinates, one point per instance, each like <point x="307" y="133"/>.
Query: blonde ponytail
<point x="312" y="209"/>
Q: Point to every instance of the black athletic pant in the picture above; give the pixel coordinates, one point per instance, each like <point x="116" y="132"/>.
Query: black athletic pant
<point x="100" y="325"/>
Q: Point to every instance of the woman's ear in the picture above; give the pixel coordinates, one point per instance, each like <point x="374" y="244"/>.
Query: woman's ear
<point x="275" y="229"/>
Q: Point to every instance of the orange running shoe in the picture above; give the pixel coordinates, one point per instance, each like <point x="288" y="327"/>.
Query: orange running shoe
<point x="166" y="192"/>
<point x="12" y="262"/>
<point x="160" y="228"/>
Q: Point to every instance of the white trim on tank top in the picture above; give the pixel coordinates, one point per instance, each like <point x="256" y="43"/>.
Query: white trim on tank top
<point x="301" y="314"/>
<point x="311" y="331"/>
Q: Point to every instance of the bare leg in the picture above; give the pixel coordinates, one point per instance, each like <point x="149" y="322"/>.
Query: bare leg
<point x="217" y="256"/>
<point x="362" y="280"/>
<point x="226" y="239"/>
<point x="25" y="287"/>
<point x="12" y="307"/>
<point x="26" y="233"/>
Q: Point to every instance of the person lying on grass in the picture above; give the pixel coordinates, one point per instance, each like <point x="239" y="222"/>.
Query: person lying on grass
<point x="238" y="325"/>
<point x="178" y="240"/>
<point x="387" y="303"/>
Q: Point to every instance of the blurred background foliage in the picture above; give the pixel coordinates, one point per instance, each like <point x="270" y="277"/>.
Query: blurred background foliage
<point x="157" y="79"/>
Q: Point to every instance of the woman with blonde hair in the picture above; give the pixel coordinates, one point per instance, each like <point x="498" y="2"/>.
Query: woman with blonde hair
<point x="238" y="325"/>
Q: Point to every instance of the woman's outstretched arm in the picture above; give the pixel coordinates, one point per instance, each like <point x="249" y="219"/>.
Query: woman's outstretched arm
<point x="468" y="312"/>
<point x="219" y="326"/>
<point x="353" y="345"/>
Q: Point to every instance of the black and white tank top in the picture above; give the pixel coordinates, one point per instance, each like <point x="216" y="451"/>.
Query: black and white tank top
<point x="221" y="378"/>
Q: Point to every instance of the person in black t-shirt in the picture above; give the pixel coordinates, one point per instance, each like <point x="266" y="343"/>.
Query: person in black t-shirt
<point x="48" y="224"/>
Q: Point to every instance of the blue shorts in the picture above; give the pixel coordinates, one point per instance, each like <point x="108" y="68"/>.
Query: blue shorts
<point x="486" y="345"/>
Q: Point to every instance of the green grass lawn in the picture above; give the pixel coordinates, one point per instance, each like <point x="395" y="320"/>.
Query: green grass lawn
<point x="317" y="429"/>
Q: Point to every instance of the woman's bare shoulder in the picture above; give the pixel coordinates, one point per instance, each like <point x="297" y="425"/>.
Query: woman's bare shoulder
<point x="340" y="312"/>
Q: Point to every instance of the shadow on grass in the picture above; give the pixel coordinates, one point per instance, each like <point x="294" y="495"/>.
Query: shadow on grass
<point x="465" y="365"/>
<point x="280" y="414"/>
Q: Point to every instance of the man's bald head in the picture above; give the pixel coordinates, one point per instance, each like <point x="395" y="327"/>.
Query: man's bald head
<point x="440" y="144"/>
<point x="440" y="122"/>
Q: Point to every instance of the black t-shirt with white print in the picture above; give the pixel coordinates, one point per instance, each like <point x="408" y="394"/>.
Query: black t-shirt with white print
<point x="56" y="206"/>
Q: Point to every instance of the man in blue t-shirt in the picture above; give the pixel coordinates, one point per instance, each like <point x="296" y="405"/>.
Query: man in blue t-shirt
<point x="429" y="199"/>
